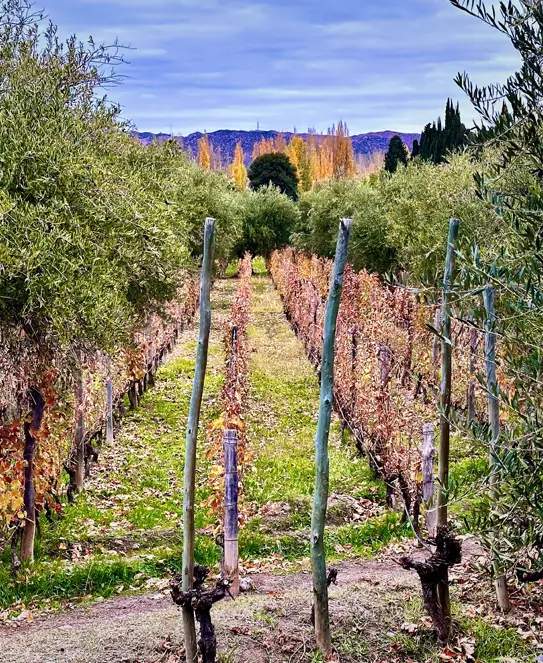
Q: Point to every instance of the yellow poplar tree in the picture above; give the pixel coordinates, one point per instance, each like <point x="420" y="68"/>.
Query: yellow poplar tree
<point x="204" y="153"/>
<point x="344" y="162"/>
<point x="280" y="143"/>
<point x="299" y="157"/>
<point x="239" y="172"/>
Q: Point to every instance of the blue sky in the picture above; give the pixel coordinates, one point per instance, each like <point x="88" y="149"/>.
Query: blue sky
<point x="212" y="64"/>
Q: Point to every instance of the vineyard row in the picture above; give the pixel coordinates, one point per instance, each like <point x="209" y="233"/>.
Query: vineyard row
<point x="55" y="421"/>
<point x="386" y="375"/>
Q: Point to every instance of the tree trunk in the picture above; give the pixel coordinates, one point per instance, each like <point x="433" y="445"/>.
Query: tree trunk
<point x="500" y="581"/>
<point x="192" y="435"/>
<point x="445" y="403"/>
<point x="133" y="395"/>
<point x="31" y="426"/>
<point x="318" y="560"/>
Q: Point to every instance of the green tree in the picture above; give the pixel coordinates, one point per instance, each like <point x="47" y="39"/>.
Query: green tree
<point x="276" y="169"/>
<point x="415" y="152"/>
<point x="269" y="218"/>
<point x="396" y="154"/>
<point x="510" y="519"/>
<point x="320" y="210"/>
<point x="437" y="140"/>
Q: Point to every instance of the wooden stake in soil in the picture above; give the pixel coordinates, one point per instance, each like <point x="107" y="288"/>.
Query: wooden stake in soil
<point x="473" y="343"/>
<point x="109" y="399"/>
<point x="79" y="433"/>
<point x="192" y="435"/>
<point x="500" y="581"/>
<point x="318" y="560"/>
<point x="231" y="553"/>
<point x="428" y="487"/>
<point x="445" y="402"/>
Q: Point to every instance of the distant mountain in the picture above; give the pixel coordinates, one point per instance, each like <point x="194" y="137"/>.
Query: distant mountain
<point x="227" y="140"/>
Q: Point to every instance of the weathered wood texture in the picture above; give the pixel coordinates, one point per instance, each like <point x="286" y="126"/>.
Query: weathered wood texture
<point x="231" y="552"/>
<point x="428" y="479"/>
<point x="445" y="402"/>
<point x="500" y="579"/>
<point x="192" y="435"/>
<point x="318" y="560"/>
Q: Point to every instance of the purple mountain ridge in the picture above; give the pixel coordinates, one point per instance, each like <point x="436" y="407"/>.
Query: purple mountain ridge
<point x="227" y="139"/>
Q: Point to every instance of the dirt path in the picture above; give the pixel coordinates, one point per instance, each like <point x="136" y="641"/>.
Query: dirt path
<point x="270" y="624"/>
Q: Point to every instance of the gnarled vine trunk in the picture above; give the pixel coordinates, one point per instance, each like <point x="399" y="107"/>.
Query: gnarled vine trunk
<point x="31" y="426"/>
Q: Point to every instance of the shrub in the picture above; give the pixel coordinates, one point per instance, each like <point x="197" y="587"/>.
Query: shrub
<point x="269" y="217"/>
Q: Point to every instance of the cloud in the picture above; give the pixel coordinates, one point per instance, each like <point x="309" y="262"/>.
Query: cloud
<point x="210" y="64"/>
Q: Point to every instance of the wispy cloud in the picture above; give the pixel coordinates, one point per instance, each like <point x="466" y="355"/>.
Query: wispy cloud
<point x="209" y="64"/>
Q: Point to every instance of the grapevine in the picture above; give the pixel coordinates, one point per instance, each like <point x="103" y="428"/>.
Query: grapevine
<point x="386" y="377"/>
<point x="233" y="398"/>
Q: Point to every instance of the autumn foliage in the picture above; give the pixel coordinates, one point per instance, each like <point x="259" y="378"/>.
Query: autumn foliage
<point x="386" y="373"/>
<point x="316" y="158"/>
<point x="131" y="370"/>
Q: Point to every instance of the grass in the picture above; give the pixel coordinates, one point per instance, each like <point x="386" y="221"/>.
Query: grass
<point x="124" y="533"/>
<point x="126" y="528"/>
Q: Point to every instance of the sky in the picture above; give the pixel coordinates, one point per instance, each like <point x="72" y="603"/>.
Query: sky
<point x="203" y="65"/>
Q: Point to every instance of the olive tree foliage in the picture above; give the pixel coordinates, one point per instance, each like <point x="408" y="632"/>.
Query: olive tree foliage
<point x="269" y="218"/>
<point x="89" y="240"/>
<point x="399" y="220"/>
<point x="510" y="522"/>
<point x="320" y="211"/>
<point x="196" y="193"/>
<point x="418" y="202"/>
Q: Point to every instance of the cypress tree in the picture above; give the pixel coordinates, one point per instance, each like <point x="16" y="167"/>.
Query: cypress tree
<point x="416" y="149"/>
<point x="437" y="139"/>
<point x="396" y="154"/>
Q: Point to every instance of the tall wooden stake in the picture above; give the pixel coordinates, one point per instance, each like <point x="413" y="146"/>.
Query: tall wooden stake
<point x="79" y="431"/>
<point x="445" y="402"/>
<point x="500" y="580"/>
<point x="318" y="560"/>
<point x="109" y="401"/>
<point x="473" y="339"/>
<point x="192" y="435"/>
<point x="231" y="551"/>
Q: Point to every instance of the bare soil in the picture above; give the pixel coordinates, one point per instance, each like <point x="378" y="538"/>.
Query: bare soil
<point x="271" y="623"/>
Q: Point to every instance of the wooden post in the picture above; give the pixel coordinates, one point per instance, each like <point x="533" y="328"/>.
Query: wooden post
<point x="31" y="425"/>
<point x="445" y="403"/>
<point x="437" y="321"/>
<point x="79" y="431"/>
<point x="192" y="436"/>
<point x="428" y="483"/>
<point x="318" y="559"/>
<point x="109" y="419"/>
<point x="500" y="578"/>
<point x="231" y="554"/>
<point x="473" y="342"/>
<point x="133" y="395"/>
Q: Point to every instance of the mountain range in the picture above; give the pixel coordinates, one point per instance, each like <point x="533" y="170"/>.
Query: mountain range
<point x="227" y="140"/>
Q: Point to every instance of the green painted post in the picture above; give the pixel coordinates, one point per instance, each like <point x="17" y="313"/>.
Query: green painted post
<point x="445" y="402"/>
<point x="189" y="626"/>
<point x="318" y="560"/>
<point x="500" y="580"/>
